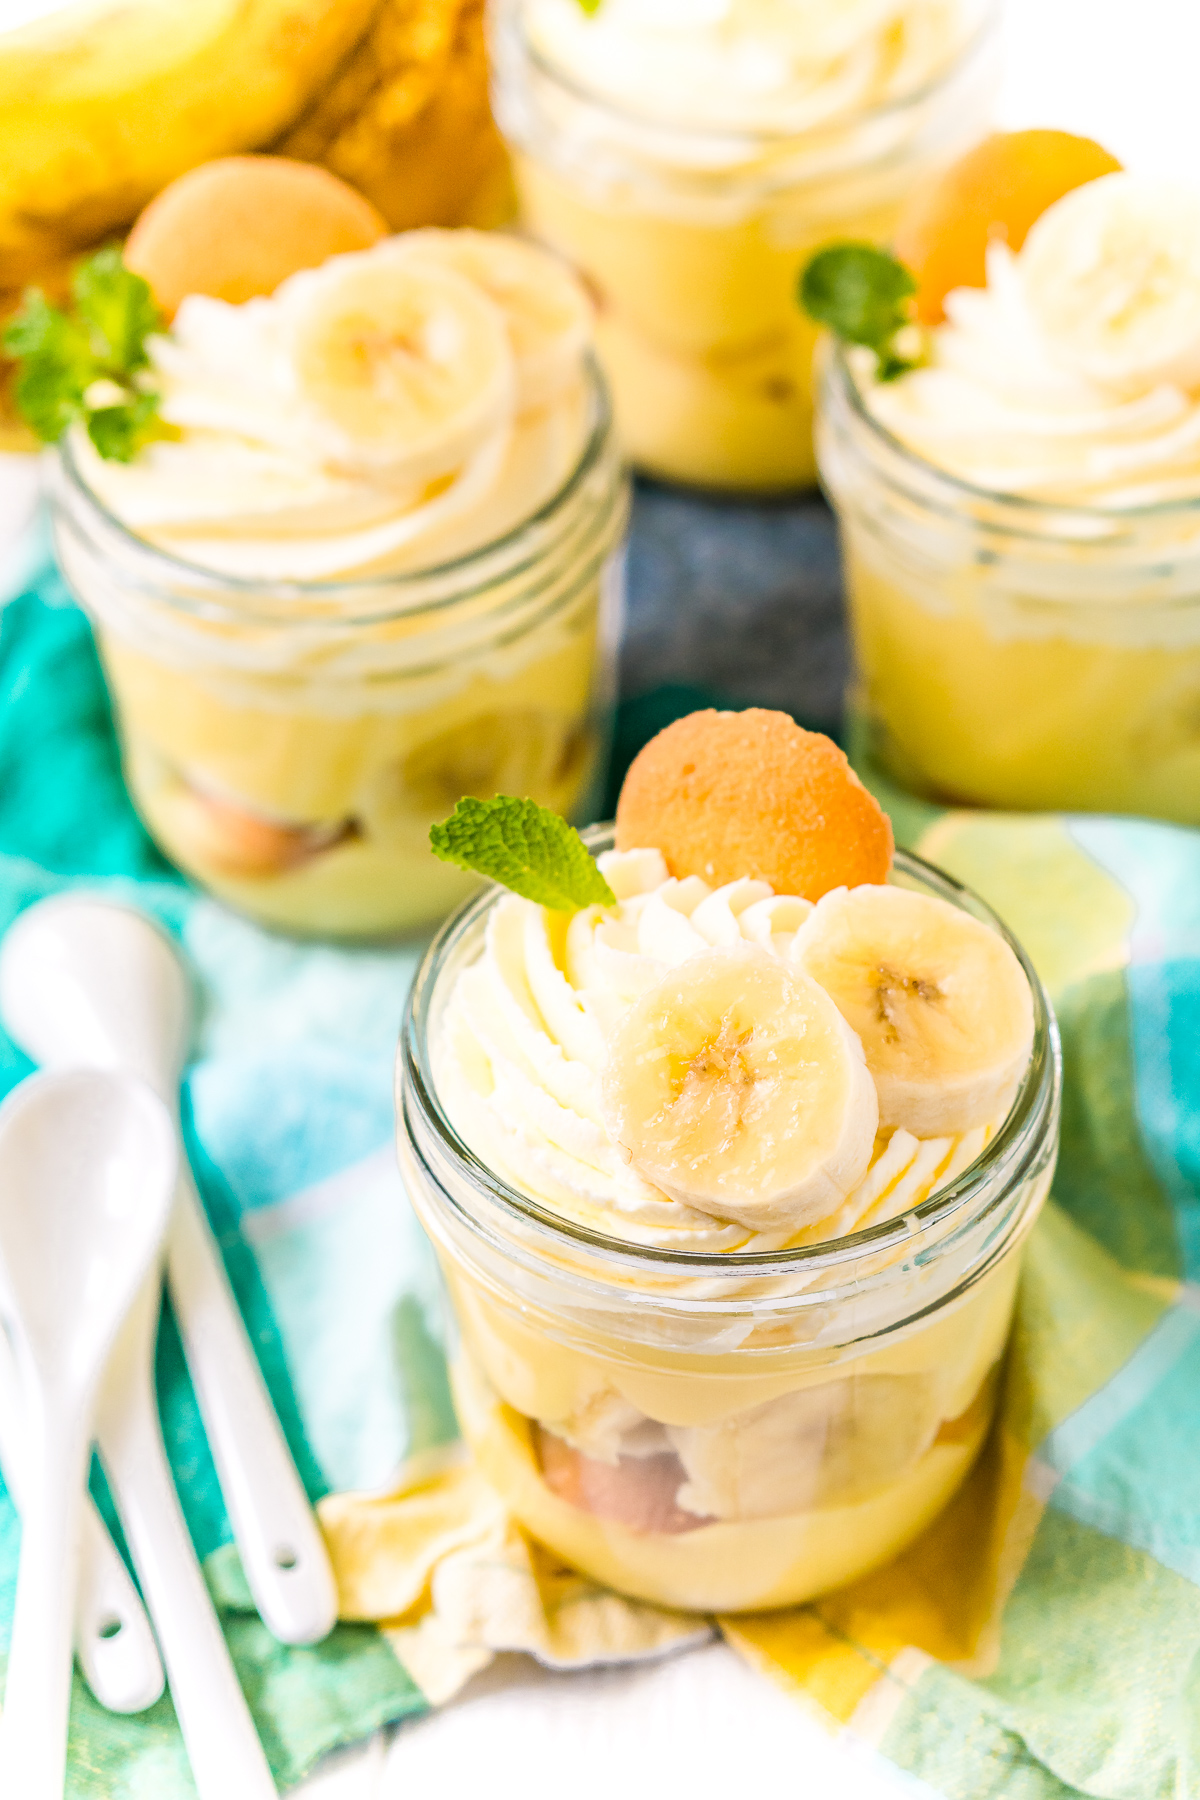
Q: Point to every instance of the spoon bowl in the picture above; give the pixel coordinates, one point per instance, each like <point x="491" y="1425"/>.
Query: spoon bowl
<point x="84" y="1160"/>
<point x="88" y="982"/>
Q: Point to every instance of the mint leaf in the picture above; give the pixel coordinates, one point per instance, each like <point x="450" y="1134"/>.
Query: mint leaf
<point x="864" y="296"/>
<point x="527" y="848"/>
<point x="119" y="432"/>
<point x="57" y="365"/>
<point x="41" y="329"/>
<point x="118" y="307"/>
<point x="63" y="355"/>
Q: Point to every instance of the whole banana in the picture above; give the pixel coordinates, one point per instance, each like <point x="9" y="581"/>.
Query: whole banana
<point x="102" y="105"/>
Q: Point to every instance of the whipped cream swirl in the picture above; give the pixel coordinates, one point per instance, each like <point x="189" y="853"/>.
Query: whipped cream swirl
<point x="785" y="66"/>
<point x="522" y="1045"/>
<point x="255" y="487"/>
<point x="1000" y="406"/>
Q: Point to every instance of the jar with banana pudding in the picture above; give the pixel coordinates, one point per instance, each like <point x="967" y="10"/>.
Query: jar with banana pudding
<point x="698" y="1394"/>
<point x="1020" y="519"/>
<point x="688" y="157"/>
<point x="376" y="564"/>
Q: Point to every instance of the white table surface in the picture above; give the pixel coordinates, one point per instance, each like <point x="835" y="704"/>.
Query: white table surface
<point x="701" y="1724"/>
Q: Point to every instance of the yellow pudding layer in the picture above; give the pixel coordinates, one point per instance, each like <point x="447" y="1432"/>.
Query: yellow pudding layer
<point x="514" y="1368"/>
<point x="966" y="707"/>
<point x="707" y="353"/>
<point x="385" y="776"/>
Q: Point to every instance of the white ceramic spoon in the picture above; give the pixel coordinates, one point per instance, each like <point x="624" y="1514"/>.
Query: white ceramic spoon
<point x="222" y="1744"/>
<point x="87" y="1172"/>
<point x="113" y="1639"/>
<point x="85" y="981"/>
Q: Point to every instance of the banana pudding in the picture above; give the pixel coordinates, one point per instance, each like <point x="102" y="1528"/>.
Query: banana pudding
<point x="688" y="157"/>
<point x="368" y="560"/>
<point x="728" y="1183"/>
<point x="1020" y="512"/>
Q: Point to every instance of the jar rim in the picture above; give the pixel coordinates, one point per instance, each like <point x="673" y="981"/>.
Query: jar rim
<point x="840" y="376"/>
<point x="1016" y="1138"/>
<point x="896" y="106"/>
<point x="509" y="543"/>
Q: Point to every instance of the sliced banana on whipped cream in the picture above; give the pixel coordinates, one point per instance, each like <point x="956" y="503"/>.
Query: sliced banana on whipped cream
<point x="735" y="1068"/>
<point x="407" y="365"/>
<point x="736" y="1087"/>
<point x="547" y="312"/>
<point x="1111" y="275"/>
<point x="938" y="1000"/>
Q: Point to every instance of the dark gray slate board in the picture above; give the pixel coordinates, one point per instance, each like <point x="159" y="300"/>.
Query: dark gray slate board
<point x="740" y="598"/>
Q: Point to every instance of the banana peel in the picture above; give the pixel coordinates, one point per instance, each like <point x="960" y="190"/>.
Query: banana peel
<point x="407" y="120"/>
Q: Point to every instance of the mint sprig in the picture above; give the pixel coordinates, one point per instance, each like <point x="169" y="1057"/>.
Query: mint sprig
<point x="525" y="847"/>
<point x="864" y="296"/>
<point x="91" y="363"/>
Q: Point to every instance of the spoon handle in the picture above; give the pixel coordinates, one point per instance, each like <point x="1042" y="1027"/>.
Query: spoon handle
<point x="222" y="1744"/>
<point x="37" y="1695"/>
<point x="283" y="1553"/>
<point x="113" y="1640"/>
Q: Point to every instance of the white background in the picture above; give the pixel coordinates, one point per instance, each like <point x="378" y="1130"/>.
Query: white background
<point x="702" y="1726"/>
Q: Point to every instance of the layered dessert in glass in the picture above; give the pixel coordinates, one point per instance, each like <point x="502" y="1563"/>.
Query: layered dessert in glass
<point x="1020" y="515"/>
<point x="687" y="157"/>
<point x="729" y="1183"/>
<point x="371" y="561"/>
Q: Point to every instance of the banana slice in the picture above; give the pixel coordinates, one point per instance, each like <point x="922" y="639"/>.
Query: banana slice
<point x="526" y="751"/>
<point x="736" y="1087"/>
<point x="548" y="314"/>
<point x="938" y="999"/>
<point x="1111" y="274"/>
<point x="830" y="1445"/>
<point x="407" y="366"/>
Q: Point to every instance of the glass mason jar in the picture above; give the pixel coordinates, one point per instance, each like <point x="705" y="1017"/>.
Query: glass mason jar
<point x="692" y="241"/>
<point x="1011" y="652"/>
<point x="289" y="744"/>
<point x="826" y="1401"/>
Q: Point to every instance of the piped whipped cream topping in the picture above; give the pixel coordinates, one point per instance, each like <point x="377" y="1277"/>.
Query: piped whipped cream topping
<point x="785" y="66"/>
<point x="522" y="1046"/>
<point x="1004" y="405"/>
<point x="261" y="481"/>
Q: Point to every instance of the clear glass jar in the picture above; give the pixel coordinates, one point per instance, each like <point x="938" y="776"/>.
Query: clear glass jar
<point x="827" y="1400"/>
<point x="692" y="242"/>
<point x="1009" y="652"/>
<point x="289" y="744"/>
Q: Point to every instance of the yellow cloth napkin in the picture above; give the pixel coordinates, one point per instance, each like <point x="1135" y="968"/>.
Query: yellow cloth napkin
<point x="452" y="1579"/>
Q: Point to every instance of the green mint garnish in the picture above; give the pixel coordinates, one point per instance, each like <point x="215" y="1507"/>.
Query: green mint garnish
<point x="89" y="363"/>
<point x="864" y="296"/>
<point x="527" y="848"/>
